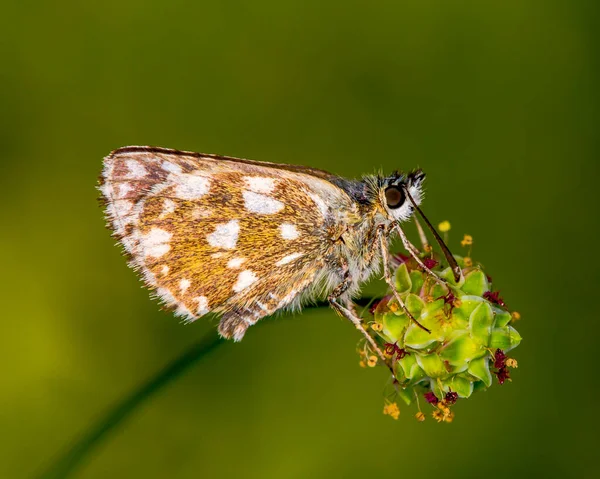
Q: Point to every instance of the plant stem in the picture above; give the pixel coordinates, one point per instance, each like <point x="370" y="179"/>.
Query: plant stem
<point x="66" y="463"/>
<point x="73" y="457"/>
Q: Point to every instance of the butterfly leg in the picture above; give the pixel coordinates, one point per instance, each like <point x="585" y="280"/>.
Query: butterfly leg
<point x="421" y="233"/>
<point x="347" y="310"/>
<point x="414" y="252"/>
<point x="385" y="254"/>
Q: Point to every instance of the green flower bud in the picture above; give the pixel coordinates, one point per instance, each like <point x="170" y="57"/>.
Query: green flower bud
<point x="470" y="330"/>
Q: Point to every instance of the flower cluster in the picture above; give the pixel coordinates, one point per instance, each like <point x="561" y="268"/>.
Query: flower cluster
<point x="471" y="332"/>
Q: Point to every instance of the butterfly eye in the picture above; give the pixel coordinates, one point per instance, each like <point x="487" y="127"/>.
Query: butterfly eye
<point x="394" y="197"/>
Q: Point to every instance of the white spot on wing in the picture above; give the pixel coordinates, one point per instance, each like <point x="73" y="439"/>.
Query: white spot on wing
<point x="202" y="305"/>
<point x="171" y="167"/>
<point x="192" y="187"/>
<point x="156" y="242"/>
<point x="245" y="279"/>
<point x="109" y="166"/>
<point x="136" y="170"/>
<point x="149" y="277"/>
<point x="164" y="270"/>
<point x="129" y="243"/>
<point x="121" y="209"/>
<point x="225" y="235"/>
<point x="288" y="231"/>
<point x="168" y="207"/>
<point x="107" y="190"/>
<point x="234" y="263"/>
<point x="261" y="204"/>
<point x="183" y="311"/>
<point x="288" y="259"/>
<point x="166" y="296"/>
<point x="184" y="284"/>
<point x="260" y="184"/>
<point x="124" y="188"/>
<point x="320" y="204"/>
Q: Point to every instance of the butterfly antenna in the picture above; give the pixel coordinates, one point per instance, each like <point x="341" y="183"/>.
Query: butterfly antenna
<point x="451" y="261"/>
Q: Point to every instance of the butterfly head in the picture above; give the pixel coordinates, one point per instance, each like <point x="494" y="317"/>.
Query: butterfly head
<point x="394" y="190"/>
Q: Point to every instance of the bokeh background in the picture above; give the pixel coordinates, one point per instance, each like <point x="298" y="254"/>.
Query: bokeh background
<point x="497" y="100"/>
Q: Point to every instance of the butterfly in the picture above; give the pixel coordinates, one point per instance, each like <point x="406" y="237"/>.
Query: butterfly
<point x="245" y="239"/>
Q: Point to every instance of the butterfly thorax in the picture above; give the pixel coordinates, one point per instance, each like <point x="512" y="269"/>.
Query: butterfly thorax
<point x="359" y="246"/>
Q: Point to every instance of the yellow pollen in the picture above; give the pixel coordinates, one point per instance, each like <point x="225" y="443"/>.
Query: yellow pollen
<point x="444" y="226"/>
<point x="372" y="361"/>
<point x="467" y="240"/>
<point x="438" y="415"/>
<point x="391" y="409"/>
<point x="515" y="316"/>
<point x="442" y="406"/>
<point x="512" y="363"/>
<point x="468" y="262"/>
<point x="420" y="416"/>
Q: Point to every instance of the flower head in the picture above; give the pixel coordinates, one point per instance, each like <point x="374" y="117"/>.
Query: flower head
<point x="430" y="263"/>
<point x="499" y="359"/>
<point x="377" y="327"/>
<point x="512" y="363"/>
<point x="451" y="397"/>
<point x="392" y="349"/>
<point x="464" y="346"/>
<point x="372" y="361"/>
<point x="444" y="226"/>
<point x="450" y="302"/>
<point x="494" y="297"/>
<point x="391" y="409"/>
<point x="502" y="374"/>
<point x="438" y="415"/>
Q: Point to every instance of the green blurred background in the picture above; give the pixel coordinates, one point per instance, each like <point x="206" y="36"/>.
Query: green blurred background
<point x="496" y="100"/>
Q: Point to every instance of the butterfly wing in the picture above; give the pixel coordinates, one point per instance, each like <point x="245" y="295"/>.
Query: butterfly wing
<point x="219" y="234"/>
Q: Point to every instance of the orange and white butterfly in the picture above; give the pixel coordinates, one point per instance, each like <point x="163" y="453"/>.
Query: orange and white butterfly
<point x="244" y="239"/>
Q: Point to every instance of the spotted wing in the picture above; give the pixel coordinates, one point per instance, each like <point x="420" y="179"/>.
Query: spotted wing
<point x="219" y="234"/>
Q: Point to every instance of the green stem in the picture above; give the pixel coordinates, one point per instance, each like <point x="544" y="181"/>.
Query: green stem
<point x="68" y="462"/>
<point x="71" y="459"/>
